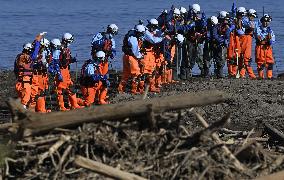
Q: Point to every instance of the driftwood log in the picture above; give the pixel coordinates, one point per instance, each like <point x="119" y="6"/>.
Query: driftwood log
<point x="35" y="123"/>
<point x="105" y="169"/>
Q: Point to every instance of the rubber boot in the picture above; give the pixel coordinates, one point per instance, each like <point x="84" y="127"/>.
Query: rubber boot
<point x="121" y="87"/>
<point x="153" y="87"/>
<point x="103" y="96"/>
<point x="80" y="101"/>
<point x="243" y="72"/>
<point x="32" y="106"/>
<point x="158" y="80"/>
<point x="141" y="87"/>
<point x="250" y="72"/>
<point x="74" y="102"/>
<point x="269" y="74"/>
<point x="40" y="105"/>
<point x="134" y="86"/>
<point x="260" y="74"/>
<point x="170" y="76"/>
<point x="60" y="99"/>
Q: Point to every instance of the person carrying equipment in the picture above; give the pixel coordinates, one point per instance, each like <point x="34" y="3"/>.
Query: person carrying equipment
<point x="66" y="84"/>
<point x="133" y="54"/>
<point x="245" y="31"/>
<point x="23" y="71"/>
<point x="42" y="63"/>
<point x="219" y="39"/>
<point x="40" y="56"/>
<point x="162" y="19"/>
<point x="265" y="38"/>
<point x="94" y="81"/>
<point x="103" y="41"/>
<point x="234" y="48"/>
<point x="194" y="44"/>
<point x="207" y="51"/>
<point x="173" y="27"/>
<point x="152" y="58"/>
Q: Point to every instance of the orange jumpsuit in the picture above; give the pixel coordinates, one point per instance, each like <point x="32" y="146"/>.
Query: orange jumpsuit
<point x="24" y="77"/>
<point x="66" y="83"/>
<point x="264" y="52"/>
<point x="131" y="67"/>
<point x="233" y="53"/>
<point x="90" y="89"/>
<point x="245" y="60"/>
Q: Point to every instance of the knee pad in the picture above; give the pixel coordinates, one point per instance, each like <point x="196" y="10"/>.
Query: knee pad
<point x="270" y="66"/>
<point x="72" y="89"/>
<point x="142" y="77"/>
<point x="261" y="67"/>
<point x="43" y="93"/>
<point x="232" y="62"/>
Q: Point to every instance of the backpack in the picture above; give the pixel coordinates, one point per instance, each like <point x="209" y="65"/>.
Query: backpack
<point x="125" y="47"/>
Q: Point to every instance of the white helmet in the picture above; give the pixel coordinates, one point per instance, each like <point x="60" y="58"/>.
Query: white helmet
<point x="165" y="11"/>
<point x="223" y="14"/>
<point x="140" y="28"/>
<point x="55" y="43"/>
<point x="44" y="42"/>
<point x="100" y="54"/>
<point x="241" y="10"/>
<point x="112" y="28"/>
<point x="180" y="38"/>
<point x="176" y="11"/>
<point x="214" y="20"/>
<point x="252" y="12"/>
<point x="27" y="46"/>
<point x="154" y="22"/>
<point x="196" y="8"/>
<point x="182" y="10"/>
<point x="67" y="37"/>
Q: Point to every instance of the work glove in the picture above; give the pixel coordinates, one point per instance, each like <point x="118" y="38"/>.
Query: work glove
<point x="106" y="83"/>
<point x="226" y="43"/>
<point x="96" y="77"/>
<point x="43" y="33"/>
<point x="59" y="77"/>
<point x="240" y="32"/>
<point x="169" y="64"/>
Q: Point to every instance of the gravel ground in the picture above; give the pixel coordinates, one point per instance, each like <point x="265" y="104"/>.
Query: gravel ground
<point x="254" y="101"/>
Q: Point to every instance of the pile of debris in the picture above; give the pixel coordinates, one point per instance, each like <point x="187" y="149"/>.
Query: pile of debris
<point x="146" y="139"/>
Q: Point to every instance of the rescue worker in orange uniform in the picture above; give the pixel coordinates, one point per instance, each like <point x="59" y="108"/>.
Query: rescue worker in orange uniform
<point x="265" y="38"/>
<point x="104" y="41"/>
<point x="66" y="84"/>
<point x="94" y="80"/>
<point x="23" y="71"/>
<point x="36" y="70"/>
<point x="245" y="30"/>
<point x="153" y="57"/>
<point x="169" y="48"/>
<point x="42" y="64"/>
<point x="132" y="48"/>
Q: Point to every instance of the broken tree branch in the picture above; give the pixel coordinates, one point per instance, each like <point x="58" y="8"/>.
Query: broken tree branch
<point x="215" y="136"/>
<point x="105" y="169"/>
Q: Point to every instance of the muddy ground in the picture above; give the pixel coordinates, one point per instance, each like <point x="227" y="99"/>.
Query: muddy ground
<point x="255" y="101"/>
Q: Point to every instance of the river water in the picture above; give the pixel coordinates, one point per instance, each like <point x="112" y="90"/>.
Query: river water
<point x="21" y="20"/>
